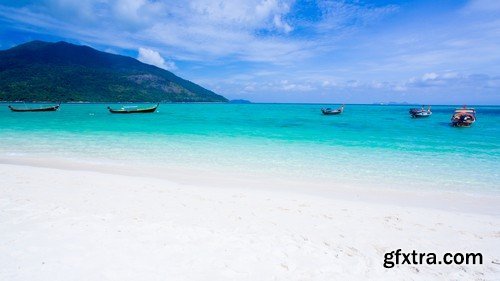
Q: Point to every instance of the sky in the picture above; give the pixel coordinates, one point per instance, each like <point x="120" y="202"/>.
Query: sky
<point x="323" y="51"/>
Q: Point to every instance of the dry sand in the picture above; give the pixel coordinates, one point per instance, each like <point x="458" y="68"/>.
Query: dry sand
<point x="70" y="224"/>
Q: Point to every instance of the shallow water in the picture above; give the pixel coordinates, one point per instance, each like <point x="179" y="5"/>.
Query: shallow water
<point x="367" y="144"/>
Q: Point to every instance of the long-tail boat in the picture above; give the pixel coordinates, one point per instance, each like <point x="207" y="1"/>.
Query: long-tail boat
<point x="463" y="117"/>
<point x="420" y="112"/>
<point x="134" y="109"/>
<point x="35" y="109"/>
<point x="329" y="111"/>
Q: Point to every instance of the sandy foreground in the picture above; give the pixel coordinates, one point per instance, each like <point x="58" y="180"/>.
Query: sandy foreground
<point x="70" y="224"/>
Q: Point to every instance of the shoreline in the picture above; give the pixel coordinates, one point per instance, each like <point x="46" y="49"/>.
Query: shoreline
<point x="485" y="202"/>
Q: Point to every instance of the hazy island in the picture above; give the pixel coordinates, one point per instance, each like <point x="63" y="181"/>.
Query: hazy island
<point x="44" y="71"/>
<point x="240" y="101"/>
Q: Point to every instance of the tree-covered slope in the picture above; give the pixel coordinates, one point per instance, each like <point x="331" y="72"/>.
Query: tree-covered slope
<point x="43" y="71"/>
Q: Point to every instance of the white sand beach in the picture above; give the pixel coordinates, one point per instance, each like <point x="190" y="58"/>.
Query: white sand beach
<point x="78" y="224"/>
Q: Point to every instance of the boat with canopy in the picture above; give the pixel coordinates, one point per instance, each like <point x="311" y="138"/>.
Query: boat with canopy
<point x="420" y="112"/>
<point x="463" y="117"/>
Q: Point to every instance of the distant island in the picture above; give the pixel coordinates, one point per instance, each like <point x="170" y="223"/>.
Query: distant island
<point x="64" y="72"/>
<point x="240" y="101"/>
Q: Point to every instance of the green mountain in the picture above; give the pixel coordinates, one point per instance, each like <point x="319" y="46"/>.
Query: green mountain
<point x="43" y="71"/>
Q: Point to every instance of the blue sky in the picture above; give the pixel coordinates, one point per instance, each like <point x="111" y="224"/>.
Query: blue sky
<point x="431" y="52"/>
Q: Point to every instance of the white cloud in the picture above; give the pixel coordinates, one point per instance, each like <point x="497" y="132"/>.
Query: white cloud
<point x="249" y="30"/>
<point x="154" y="58"/>
<point x="281" y="25"/>
<point x="453" y="80"/>
<point x="245" y="14"/>
<point x="429" y="76"/>
<point x="339" y="13"/>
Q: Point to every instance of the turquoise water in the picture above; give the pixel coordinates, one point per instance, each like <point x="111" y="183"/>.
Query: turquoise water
<point x="367" y="144"/>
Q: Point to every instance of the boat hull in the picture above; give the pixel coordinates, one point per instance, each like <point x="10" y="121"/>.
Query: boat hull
<point x="461" y="124"/>
<point x="130" y="111"/>
<point x="329" y="111"/>
<point x="421" y="115"/>
<point x="43" y="109"/>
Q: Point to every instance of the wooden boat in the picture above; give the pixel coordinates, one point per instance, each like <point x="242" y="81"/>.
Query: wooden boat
<point x="329" y="111"/>
<point x="134" y="109"/>
<point x="463" y="117"/>
<point x="35" y="109"/>
<point x="420" y="112"/>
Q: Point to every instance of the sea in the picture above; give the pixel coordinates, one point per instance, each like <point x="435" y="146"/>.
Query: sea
<point x="367" y="145"/>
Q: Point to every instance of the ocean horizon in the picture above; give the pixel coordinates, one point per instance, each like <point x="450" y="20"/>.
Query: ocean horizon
<point x="252" y="102"/>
